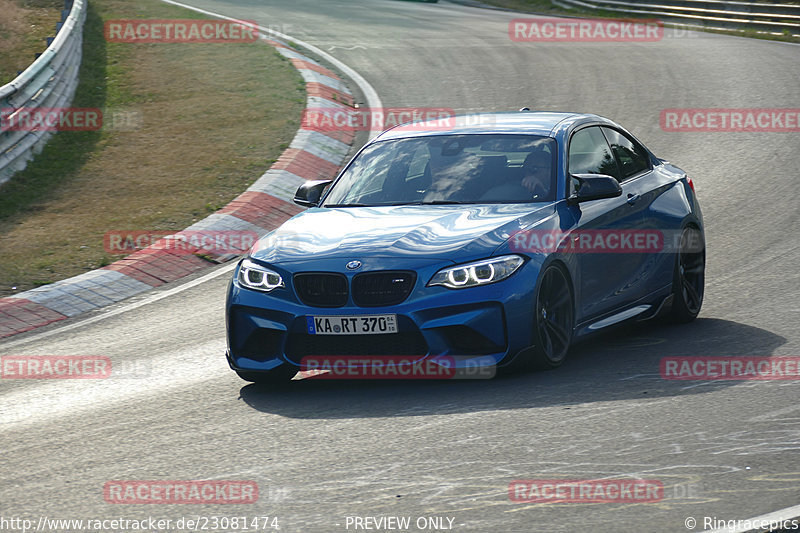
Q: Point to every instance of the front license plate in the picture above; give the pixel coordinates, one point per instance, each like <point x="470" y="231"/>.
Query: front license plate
<point x="351" y="325"/>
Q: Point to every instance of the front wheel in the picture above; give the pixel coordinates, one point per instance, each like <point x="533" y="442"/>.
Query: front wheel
<point x="554" y="319"/>
<point x="553" y="322"/>
<point x="689" y="277"/>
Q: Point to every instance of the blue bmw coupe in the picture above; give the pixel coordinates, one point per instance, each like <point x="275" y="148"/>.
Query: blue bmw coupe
<point x="497" y="240"/>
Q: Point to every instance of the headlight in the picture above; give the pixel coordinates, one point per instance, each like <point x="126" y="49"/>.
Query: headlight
<point x="477" y="273"/>
<point x="259" y="278"/>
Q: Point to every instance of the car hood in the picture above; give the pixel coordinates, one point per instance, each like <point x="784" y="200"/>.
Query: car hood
<point x="457" y="232"/>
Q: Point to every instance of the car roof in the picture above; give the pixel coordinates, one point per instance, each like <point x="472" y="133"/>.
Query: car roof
<point x="521" y="122"/>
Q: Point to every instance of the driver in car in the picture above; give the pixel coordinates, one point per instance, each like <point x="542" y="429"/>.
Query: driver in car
<point x="536" y="172"/>
<point x="534" y="184"/>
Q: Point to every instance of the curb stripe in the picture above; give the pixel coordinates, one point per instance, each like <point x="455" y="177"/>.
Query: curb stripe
<point x="262" y="207"/>
<point x="279" y="183"/>
<point x="329" y="93"/>
<point x="320" y="146"/>
<point x="300" y="64"/>
<point x="311" y="76"/>
<point x="305" y="165"/>
<point x="20" y="314"/>
<point x="165" y="265"/>
<point x="132" y="269"/>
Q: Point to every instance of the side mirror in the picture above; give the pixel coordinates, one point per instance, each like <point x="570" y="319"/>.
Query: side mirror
<point x="594" y="187"/>
<point x="309" y="193"/>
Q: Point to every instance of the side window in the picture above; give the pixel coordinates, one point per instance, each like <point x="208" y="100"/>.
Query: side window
<point x="589" y="154"/>
<point x="632" y="158"/>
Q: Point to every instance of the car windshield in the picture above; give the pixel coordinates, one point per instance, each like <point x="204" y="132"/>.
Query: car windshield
<point x="449" y="169"/>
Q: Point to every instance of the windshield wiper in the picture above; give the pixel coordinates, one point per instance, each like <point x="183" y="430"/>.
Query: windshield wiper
<point x="375" y="205"/>
<point x="445" y="202"/>
<point x="432" y="202"/>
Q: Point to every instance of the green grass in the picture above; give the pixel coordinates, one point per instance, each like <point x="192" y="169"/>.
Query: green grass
<point x="64" y="154"/>
<point x="24" y="28"/>
<point x="213" y="118"/>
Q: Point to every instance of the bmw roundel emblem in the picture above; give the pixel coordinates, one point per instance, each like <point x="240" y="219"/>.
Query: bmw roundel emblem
<point x="352" y="265"/>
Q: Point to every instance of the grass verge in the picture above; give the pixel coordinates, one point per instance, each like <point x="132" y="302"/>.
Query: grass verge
<point x="211" y="119"/>
<point x="24" y="28"/>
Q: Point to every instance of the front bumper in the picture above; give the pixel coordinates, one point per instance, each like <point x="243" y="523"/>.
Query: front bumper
<point x="478" y="326"/>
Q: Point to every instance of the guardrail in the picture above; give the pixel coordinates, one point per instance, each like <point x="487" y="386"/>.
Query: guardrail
<point x="49" y="82"/>
<point x="713" y="14"/>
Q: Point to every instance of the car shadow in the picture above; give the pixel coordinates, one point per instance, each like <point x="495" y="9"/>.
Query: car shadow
<point x="622" y="364"/>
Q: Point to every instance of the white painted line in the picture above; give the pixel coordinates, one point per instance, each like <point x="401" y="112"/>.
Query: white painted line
<point x="373" y="101"/>
<point x="129" y="307"/>
<point x="49" y="400"/>
<point x="637" y="376"/>
<point x="771" y="415"/>
<point x="702" y="384"/>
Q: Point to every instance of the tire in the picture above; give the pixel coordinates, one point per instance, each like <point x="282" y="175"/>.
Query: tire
<point x="281" y="375"/>
<point x="688" y="282"/>
<point x="553" y="323"/>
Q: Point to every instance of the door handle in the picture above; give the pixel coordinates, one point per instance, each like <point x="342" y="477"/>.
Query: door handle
<point x="632" y="198"/>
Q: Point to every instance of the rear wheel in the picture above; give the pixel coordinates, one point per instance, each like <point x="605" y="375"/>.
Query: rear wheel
<point x="282" y="374"/>
<point x="689" y="278"/>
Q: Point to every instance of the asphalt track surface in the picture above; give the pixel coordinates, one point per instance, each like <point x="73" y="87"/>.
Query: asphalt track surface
<point x="324" y="451"/>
